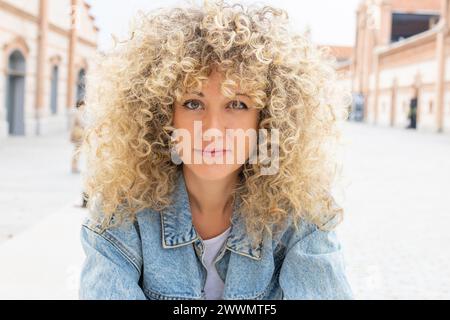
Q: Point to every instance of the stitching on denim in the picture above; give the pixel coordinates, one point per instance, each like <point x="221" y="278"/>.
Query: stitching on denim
<point x="258" y="258"/>
<point x="106" y="234"/>
<point x="256" y="296"/>
<point x="316" y="230"/>
<point x="160" y="296"/>
<point x="130" y="255"/>
<point x="121" y="248"/>
<point x="163" y="237"/>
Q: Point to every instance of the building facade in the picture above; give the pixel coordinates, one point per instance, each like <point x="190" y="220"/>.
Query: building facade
<point x="45" y="47"/>
<point x="399" y="72"/>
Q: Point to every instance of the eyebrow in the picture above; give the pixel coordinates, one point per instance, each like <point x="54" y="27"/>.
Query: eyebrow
<point x="200" y="94"/>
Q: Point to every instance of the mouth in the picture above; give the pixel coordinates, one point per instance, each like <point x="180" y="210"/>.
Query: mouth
<point x="212" y="152"/>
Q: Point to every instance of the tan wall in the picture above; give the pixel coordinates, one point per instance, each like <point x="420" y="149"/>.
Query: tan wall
<point x="29" y="6"/>
<point x="447" y="110"/>
<point x="416" y="5"/>
<point x="55" y="8"/>
<point x="86" y="26"/>
<point x="344" y="78"/>
<point x="56" y="55"/>
<point x="416" y="54"/>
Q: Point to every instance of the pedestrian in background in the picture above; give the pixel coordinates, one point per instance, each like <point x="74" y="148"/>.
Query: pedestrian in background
<point x="77" y="134"/>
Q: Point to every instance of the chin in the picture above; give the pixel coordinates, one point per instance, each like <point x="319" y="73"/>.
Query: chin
<point x="212" y="171"/>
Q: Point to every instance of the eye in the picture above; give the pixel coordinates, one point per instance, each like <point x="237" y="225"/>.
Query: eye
<point x="239" y="105"/>
<point x="192" y="104"/>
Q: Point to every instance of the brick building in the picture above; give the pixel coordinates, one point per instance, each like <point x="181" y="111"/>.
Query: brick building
<point x="44" y="46"/>
<point x="399" y="70"/>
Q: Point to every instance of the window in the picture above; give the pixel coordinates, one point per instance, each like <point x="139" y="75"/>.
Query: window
<point x="405" y="25"/>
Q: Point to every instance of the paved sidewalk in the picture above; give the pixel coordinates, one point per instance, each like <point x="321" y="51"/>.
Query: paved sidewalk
<point x="396" y="232"/>
<point x="35" y="181"/>
<point x="40" y="253"/>
<point x="44" y="262"/>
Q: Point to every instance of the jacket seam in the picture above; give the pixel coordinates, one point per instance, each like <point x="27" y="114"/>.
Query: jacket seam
<point x="316" y="230"/>
<point x="120" y="247"/>
<point x="161" y="296"/>
<point x="256" y="296"/>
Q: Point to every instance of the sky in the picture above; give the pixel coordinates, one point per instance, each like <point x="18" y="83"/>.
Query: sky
<point x="332" y="22"/>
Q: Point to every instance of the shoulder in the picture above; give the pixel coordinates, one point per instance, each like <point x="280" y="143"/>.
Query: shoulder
<point x="313" y="265"/>
<point x="310" y="236"/>
<point x="123" y="239"/>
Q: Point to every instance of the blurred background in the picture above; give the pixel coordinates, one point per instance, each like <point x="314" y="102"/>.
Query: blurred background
<point x="393" y="55"/>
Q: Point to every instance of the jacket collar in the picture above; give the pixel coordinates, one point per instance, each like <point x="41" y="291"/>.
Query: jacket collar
<point x="178" y="229"/>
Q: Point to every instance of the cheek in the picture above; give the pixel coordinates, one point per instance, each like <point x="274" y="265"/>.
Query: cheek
<point x="255" y="118"/>
<point x="246" y="120"/>
<point x="178" y="118"/>
<point x="184" y="132"/>
<point x="183" y="120"/>
<point x="252" y="123"/>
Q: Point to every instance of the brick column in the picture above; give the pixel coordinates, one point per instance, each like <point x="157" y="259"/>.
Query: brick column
<point x="361" y="45"/>
<point x="41" y="62"/>
<point x="393" y="115"/>
<point x="366" y="70"/>
<point x="367" y="58"/>
<point x="71" y="54"/>
<point x="356" y="56"/>
<point x="376" y="91"/>
<point x="386" y="23"/>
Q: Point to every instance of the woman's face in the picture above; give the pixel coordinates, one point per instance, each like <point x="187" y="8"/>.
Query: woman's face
<point x="217" y="132"/>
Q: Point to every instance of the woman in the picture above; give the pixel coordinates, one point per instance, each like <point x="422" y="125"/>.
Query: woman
<point x="170" y="218"/>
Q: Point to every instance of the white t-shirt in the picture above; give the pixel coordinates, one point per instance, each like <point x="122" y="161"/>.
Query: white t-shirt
<point x="214" y="285"/>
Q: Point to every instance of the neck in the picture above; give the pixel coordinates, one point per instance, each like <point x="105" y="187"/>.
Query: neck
<point x="210" y="197"/>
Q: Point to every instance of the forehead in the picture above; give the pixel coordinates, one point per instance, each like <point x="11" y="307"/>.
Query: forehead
<point x="215" y="84"/>
<point x="233" y="95"/>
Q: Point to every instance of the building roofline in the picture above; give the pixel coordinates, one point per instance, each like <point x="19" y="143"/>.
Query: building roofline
<point x="90" y="15"/>
<point x="422" y="11"/>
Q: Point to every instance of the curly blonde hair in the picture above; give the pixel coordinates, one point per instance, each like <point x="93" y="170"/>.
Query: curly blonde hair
<point x="131" y="94"/>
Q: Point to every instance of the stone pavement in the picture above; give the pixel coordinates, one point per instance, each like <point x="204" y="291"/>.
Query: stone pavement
<point x="35" y="181"/>
<point x="39" y="222"/>
<point x="396" y="232"/>
<point x="44" y="262"/>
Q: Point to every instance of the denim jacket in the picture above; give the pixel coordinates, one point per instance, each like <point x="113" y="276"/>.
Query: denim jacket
<point x="158" y="257"/>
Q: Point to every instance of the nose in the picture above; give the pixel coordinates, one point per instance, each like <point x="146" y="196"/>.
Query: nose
<point x="213" y="123"/>
<point x="213" y="126"/>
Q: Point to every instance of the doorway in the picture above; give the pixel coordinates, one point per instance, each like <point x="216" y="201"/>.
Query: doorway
<point x="412" y="115"/>
<point x="15" y="93"/>
<point x="54" y="90"/>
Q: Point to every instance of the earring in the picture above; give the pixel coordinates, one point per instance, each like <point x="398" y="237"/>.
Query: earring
<point x="175" y="157"/>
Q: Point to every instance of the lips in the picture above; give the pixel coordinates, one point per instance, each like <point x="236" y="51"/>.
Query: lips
<point x="212" y="152"/>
